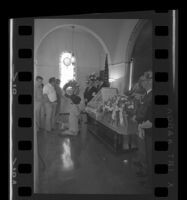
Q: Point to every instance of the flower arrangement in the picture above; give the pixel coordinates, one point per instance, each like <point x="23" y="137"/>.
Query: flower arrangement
<point x="118" y="108"/>
<point x="70" y="88"/>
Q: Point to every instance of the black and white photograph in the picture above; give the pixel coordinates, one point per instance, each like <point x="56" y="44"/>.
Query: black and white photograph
<point x="93" y="106"/>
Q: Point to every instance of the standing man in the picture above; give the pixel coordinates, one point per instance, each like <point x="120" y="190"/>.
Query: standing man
<point x="38" y="102"/>
<point x="59" y="96"/>
<point x="99" y="84"/>
<point x="144" y="119"/>
<point x="50" y="104"/>
<point x="90" y="91"/>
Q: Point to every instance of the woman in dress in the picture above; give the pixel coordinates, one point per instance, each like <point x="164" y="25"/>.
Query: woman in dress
<point x="74" y="116"/>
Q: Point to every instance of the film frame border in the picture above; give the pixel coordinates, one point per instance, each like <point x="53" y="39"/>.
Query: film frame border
<point x="164" y="130"/>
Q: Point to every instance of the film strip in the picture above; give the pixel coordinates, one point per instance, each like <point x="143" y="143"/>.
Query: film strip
<point x="164" y="108"/>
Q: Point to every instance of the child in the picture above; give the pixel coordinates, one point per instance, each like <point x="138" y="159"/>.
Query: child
<point x="74" y="116"/>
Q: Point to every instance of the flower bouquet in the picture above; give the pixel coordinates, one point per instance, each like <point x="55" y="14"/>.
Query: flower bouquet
<point x="114" y="110"/>
<point x="71" y="88"/>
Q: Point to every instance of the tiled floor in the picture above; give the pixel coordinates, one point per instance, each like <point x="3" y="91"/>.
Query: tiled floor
<point x="94" y="168"/>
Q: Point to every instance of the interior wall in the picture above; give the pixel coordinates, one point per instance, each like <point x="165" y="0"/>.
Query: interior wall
<point x="117" y="73"/>
<point x="115" y="33"/>
<point x="87" y="49"/>
<point x="142" y="52"/>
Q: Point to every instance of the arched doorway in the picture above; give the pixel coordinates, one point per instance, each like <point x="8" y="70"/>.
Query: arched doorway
<point x="139" y="51"/>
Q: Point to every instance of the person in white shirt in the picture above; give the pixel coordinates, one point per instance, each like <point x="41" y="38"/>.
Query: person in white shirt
<point x="50" y="104"/>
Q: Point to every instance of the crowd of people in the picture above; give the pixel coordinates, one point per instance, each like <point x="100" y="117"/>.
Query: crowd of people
<point x="48" y="104"/>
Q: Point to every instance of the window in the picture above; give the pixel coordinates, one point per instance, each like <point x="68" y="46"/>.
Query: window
<point x="67" y="68"/>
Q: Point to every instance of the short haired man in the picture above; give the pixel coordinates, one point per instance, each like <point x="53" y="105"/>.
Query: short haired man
<point x="38" y="102"/>
<point x="50" y="104"/>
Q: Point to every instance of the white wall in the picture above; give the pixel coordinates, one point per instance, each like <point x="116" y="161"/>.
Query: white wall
<point x="115" y="33"/>
<point x="89" y="54"/>
<point x="117" y="73"/>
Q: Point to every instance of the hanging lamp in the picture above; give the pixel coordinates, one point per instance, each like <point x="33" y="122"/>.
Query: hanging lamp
<point x="73" y="55"/>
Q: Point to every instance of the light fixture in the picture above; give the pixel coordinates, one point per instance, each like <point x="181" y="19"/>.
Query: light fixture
<point x="67" y="61"/>
<point x="73" y="60"/>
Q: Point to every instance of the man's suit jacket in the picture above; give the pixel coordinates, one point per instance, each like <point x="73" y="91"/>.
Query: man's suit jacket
<point x="88" y="94"/>
<point x="144" y="111"/>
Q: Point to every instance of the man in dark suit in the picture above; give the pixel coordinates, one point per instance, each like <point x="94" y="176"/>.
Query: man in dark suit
<point x="99" y="84"/>
<point x="144" y="119"/>
<point x="90" y="91"/>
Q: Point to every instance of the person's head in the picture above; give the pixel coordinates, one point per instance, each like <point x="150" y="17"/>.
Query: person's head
<point x="39" y="80"/>
<point x="52" y="81"/>
<point x="97" y="81"/>
<point x="100" y="80"/>
<point x="58" y="82"/>
<point x="75" y="99"/>
<point x="91" y="82"/>
<point x="147" y="83"/>
<point x="147" y="80"/>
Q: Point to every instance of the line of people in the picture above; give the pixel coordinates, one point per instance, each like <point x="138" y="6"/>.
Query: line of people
<point x="47" y="103"/>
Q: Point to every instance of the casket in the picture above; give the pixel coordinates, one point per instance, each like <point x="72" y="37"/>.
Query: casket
<point x="99" y="122"/>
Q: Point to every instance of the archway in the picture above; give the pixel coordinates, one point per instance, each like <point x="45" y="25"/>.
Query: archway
<point x="88" y="51"/>
<point x="100" y="40"/>
<point x="133" y="44"/>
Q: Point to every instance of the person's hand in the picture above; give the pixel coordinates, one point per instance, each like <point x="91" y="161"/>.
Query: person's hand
<point x="146" y="124"/>
<point x="141" y="132"/>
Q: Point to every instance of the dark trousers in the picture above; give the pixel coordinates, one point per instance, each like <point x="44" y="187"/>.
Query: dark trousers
<point x="144" y="153"/>
<point x="148" y="151"/>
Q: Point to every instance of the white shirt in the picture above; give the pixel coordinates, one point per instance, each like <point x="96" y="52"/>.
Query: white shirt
<point x="50" y="91"/>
